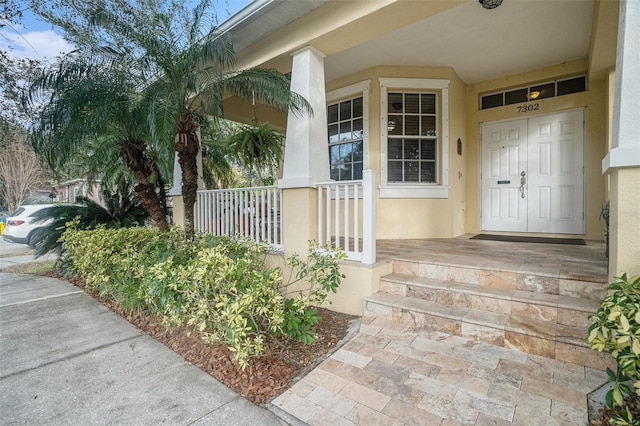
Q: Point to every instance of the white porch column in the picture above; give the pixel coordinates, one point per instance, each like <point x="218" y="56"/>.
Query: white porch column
<point x="306" y="158"/>
<point x="622" y="162"/>
<point x="306" y="155"/>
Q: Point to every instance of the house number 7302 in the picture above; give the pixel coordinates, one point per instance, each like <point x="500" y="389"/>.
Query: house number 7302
<point x="528" y="108"/>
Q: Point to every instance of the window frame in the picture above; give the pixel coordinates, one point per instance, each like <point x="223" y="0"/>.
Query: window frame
<point x="416" y="189"/>
<point x="353" y="91"/>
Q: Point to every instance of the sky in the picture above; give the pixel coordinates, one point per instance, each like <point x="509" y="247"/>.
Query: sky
<point x="35" y="39"/>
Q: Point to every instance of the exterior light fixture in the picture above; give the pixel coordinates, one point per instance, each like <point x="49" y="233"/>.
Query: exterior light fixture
<point x="490" y="4"/>
<point x="534" y="95"/>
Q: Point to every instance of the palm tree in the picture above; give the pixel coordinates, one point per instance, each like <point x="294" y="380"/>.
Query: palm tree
<point x="193" y="71"/>
<point x="94" y="113"/>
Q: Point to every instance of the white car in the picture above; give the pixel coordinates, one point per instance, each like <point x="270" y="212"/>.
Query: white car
<point x="20" y="226"/>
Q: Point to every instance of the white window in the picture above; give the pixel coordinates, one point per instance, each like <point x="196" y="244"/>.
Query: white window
<point x="414" y="146"/>
<point x="346" y="132"/>
<point x="347" y="120"/>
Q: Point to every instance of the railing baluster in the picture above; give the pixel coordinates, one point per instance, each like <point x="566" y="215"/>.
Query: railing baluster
<point x="253" y="213"/>
<point x="269" y="218"/>
<point x="353" y="228"/>
<point x="320" y="215"/>
<point x="347" y="219"/>
<point x="356" y="218"/>
<point x="231" y="214"/>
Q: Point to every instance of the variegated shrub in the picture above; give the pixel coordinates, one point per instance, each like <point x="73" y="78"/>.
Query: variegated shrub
<point x="616" y="328"/>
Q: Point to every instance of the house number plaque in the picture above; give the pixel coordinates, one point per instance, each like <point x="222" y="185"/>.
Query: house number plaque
<point x="528" y="108"/>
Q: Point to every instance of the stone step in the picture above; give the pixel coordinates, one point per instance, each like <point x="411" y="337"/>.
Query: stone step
<point x="533" y="277"/>
<point x="540" y="337"/>
<point x="560" y="309"/>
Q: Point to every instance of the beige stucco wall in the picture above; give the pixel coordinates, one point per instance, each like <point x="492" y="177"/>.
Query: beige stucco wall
<point x="594" y="101"/>
<point x="300" y="218"/>
<point x="417" y="217"/>
<point x="361" y="281"/>
<point x="624" y="254"/>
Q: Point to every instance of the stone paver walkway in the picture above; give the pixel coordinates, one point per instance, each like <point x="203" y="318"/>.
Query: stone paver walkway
<point x="388" y="376"/>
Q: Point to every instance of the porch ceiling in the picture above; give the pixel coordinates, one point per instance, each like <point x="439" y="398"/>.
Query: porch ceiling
<point x="478" y="44"/>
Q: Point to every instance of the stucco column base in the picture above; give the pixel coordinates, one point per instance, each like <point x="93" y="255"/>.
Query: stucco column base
<point x="624" y="222"/>
<point x="178" y="210"/>
<point x="300" y="219"/>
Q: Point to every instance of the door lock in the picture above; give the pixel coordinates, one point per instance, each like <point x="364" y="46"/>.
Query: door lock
<point x="523" y="181"/>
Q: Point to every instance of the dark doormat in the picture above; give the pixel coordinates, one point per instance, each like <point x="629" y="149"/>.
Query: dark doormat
<point x="540" y="240"/>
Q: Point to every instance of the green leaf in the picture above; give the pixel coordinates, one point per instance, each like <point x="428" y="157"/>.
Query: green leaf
<point x="625" y="322"/>
<point x="609" y="398"/>
<point x="618" y="398"/>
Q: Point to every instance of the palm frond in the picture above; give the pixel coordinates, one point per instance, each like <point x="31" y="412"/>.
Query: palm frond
<point x="268" y="87"/>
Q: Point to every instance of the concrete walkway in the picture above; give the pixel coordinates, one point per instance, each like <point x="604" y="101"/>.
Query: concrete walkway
<point x="66" y="359"/>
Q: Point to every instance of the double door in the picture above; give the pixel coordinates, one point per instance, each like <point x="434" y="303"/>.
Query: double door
<point x="533" y="174"/>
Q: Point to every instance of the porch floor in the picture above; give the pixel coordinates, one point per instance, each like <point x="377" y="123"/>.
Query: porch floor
<point x="391" y="374"/>
<point x="577" y="262"/>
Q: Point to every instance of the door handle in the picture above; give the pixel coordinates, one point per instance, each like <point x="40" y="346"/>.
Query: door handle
<point x="523" y="181"/>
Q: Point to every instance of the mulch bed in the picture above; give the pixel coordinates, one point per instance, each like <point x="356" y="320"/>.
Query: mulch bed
<point x="606" y="413"/>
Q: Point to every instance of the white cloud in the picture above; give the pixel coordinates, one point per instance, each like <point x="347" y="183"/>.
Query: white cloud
<point x="34" y="44"/>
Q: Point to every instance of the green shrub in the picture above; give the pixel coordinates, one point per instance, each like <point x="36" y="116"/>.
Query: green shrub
<point x="109" y="261"/>
<point x="218" y="287"/>
<point x="616" y="328"/>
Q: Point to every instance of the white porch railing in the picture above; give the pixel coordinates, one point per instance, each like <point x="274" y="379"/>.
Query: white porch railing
<point x="346" y="216"/>
<point x="249" y="212"/>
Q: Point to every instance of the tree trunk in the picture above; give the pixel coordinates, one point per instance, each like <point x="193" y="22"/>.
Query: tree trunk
<point x="187" y="146"/>
<point x="134" y="157"/>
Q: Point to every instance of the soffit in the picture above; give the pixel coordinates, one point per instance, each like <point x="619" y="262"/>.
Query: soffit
<point x="480" y="44"/>
<point x="264" y="17"/>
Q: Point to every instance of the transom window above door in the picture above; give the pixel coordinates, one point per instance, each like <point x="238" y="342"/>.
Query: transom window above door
<point x="346" y="139"/>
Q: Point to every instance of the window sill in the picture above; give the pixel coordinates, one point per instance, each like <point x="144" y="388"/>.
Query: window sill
<point x="414" y="191"/>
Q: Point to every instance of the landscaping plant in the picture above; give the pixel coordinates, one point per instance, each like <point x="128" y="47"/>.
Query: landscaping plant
<point x="122" y="208"/>
<point x="218" y="287"/>
<point x="616" y="328"/>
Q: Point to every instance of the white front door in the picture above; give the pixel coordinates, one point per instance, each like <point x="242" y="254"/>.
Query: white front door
<point x="533" y="174"/>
